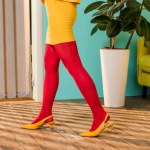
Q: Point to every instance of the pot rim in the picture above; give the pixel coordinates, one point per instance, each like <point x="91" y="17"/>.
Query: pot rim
<point x="118" y="49"/>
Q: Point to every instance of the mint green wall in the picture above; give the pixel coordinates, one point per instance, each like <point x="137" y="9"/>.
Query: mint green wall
<point x="89" y="47"/>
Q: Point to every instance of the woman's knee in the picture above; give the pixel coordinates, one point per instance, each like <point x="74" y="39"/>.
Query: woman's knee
<point x="51" y="63"/>
<point x="73" y="68"/>
<point x="51" y="60"/>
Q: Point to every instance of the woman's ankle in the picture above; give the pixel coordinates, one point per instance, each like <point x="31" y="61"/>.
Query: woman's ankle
<point x="41" y="117"/>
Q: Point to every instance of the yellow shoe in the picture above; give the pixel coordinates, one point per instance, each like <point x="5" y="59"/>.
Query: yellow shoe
<point x="101" y="127"/>
<point x="38" y="124"/>
<point x="109" y="125"/>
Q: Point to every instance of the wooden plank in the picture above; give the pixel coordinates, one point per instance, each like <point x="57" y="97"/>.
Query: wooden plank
<point x="69" y="122"/>
<point x="10" y="49"/>
<point x="2" y="74"/>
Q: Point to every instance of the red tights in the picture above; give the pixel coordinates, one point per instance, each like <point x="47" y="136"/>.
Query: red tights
<point x="68" y="54"/>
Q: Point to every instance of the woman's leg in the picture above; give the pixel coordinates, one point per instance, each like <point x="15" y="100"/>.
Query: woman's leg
<point x="68" y="53"/>
<point x="51" y="65"/>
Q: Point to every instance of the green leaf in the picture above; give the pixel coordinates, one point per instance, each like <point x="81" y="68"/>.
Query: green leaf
<point x="147" y="4"/>
<point x="138" y="27"/>
<point x="132" y="3"/>
<point x="110" y="10"/>
<point x="102" y="25"/>
<point x="105" y="6"/>
<point x="98" y="13"/>
<point x="112" y="1"/>
<point x="93" y="6"/>
<point x="113" y="28"/>
<point x="128" y="26"/>
<point x="145" y="28"/>
<point x="118" y="7"/>
<point x="94" y="30"/>
<point x="99" y="19"/>
<point x="117" y="1"/>
<point x="129" y="13"/>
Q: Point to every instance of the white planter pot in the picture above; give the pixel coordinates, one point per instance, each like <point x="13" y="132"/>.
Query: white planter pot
<point x="114" y="64"/>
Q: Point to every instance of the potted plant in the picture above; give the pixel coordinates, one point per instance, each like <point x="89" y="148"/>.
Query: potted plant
<point x="115" y="16"/>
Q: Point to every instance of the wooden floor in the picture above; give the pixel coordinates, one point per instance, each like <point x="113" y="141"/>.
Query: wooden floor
<point x="131" y="132"/>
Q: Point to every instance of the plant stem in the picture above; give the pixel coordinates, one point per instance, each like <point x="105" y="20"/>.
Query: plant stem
<point x="111" y="40"/>
<point x="127" y="46"/>
<point x="142" y="5"/>
<point x="128" y="43"/>
<point x="112" y="43"/>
